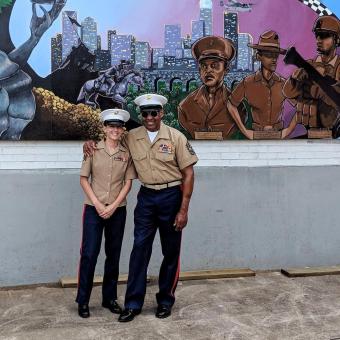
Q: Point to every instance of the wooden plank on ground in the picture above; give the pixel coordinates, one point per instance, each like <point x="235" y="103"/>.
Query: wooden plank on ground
<point x="216" y="274"/>
<point x="71" y="282"/>
<point x="311" y="271"/>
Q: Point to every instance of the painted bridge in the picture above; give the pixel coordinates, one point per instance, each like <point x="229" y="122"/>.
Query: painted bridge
<point x="186" y="77"/>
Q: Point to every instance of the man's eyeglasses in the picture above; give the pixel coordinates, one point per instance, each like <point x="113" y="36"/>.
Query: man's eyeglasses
<point x="153" y="113"/>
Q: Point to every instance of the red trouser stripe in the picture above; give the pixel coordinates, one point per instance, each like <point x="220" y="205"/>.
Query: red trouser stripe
<point x="81" y="243"/>
<point x="177" y="273"/>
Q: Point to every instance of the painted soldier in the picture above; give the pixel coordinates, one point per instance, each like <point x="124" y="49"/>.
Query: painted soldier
<point x="206" y="108"/>
<point x="262" y="90"/>
<point x="106" y="78"/>
<point x="314" y="109"/>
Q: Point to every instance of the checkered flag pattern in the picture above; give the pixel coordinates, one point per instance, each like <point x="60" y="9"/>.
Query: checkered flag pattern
<point x="317" y="7"/>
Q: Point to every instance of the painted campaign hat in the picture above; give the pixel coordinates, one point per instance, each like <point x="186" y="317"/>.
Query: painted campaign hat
<point x="268" y="41"/>
<point x="213" y="47"/>
<point x="150" y="101"/>
<point x="115" y="116"/>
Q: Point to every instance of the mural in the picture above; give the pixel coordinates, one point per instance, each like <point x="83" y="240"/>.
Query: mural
<point x="230" y="69"/>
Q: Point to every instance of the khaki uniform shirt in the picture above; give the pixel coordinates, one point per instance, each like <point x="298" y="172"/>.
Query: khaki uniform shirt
<point x="265" y="98"/>
<point x="161" y="161"/>
<point x="108" y="172"/>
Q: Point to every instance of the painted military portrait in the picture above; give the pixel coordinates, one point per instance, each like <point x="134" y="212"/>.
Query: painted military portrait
<point x="222" y="65"/>
<point x="205" y="109"/>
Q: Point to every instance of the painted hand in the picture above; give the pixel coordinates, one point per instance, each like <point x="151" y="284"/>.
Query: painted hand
<point x="300" y="74"/>
<point x="285" y="133"/>
<point x="249" y="134"/>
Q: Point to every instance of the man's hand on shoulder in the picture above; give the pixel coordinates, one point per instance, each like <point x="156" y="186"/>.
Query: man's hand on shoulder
<point x="89" y="147"/>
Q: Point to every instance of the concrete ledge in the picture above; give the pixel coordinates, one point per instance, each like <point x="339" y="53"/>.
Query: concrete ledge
<point x="25" y="155"/>
<point x="311" y="271"/>
<point x="71" y="282"/>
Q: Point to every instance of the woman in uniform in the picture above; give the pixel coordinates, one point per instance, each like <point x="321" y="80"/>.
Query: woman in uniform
<point x="111" y="172"/>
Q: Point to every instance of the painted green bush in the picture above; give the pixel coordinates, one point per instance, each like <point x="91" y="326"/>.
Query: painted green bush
<point x="4" y="3"/>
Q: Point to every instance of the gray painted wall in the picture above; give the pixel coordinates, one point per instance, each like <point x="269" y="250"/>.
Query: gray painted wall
<point x="262" y="218"/>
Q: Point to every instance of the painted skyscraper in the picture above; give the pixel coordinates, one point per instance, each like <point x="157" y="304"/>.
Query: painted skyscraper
<point x="133" y="49"/>
<point x="70" y="33"/>
<point x="231" y="32"/>
<point x="197" y="30"/>
<point x="99" y="42"/>
<point x="109" y="34"/>
<point x="172" y="39"/>
<point x="245" y="53"/>
<point x="103" y="59"/>
<point x="206" y="16"/>
<point x="120" y="48"/>
<point x="56" y="52"/>
<point x="89" y="33"/>
<point x="156" y="54"/>
<point x="186" y="42"/>
<point x="142" y="54"/>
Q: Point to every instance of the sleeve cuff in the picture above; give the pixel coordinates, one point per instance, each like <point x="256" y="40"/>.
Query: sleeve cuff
<point x="188" y="162"/>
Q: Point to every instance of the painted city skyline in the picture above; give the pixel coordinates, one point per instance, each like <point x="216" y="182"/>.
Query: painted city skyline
<point x="175" y="53"/>
<point x="140" y="26"/>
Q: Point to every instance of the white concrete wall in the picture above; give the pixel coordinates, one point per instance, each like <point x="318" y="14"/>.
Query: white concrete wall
<point x="263" y="205"/>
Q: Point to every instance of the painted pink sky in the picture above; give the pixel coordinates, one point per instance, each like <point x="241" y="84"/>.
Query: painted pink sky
<point x="146" y="19"/>
<point x="292" y="20"/>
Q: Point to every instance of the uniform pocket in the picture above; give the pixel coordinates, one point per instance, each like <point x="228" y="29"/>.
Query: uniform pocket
<point x="165" y="157"/>
<point x="140" y="161"/>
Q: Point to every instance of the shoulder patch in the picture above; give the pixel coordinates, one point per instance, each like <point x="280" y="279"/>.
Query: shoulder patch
<point x="190" y="149"/>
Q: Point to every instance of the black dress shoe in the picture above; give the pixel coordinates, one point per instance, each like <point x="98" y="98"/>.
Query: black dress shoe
<point x="163" y="311"/>
<point x="112" y="306"/>
<point x="83" y="310"/>
<point x="128" y="314"/>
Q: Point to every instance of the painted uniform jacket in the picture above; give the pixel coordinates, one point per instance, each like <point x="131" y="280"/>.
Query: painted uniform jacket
<point x="194" y="112"/>
<point x="312" y="109"/>
<point x="265" y="98"/>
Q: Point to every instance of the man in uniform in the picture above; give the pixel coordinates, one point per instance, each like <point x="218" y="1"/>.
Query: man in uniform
<point x="164" y="161"/>
<point x="314" y="109"/>
<point x="262" y="90"/>
<point x="205" y="109"/>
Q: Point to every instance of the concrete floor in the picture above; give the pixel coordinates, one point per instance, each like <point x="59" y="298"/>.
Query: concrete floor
<point x="268" y="306"/>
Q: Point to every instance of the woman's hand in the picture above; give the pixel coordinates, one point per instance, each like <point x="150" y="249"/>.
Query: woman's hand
<point x="100" y="207"/>
<point x="108" y="211"/>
